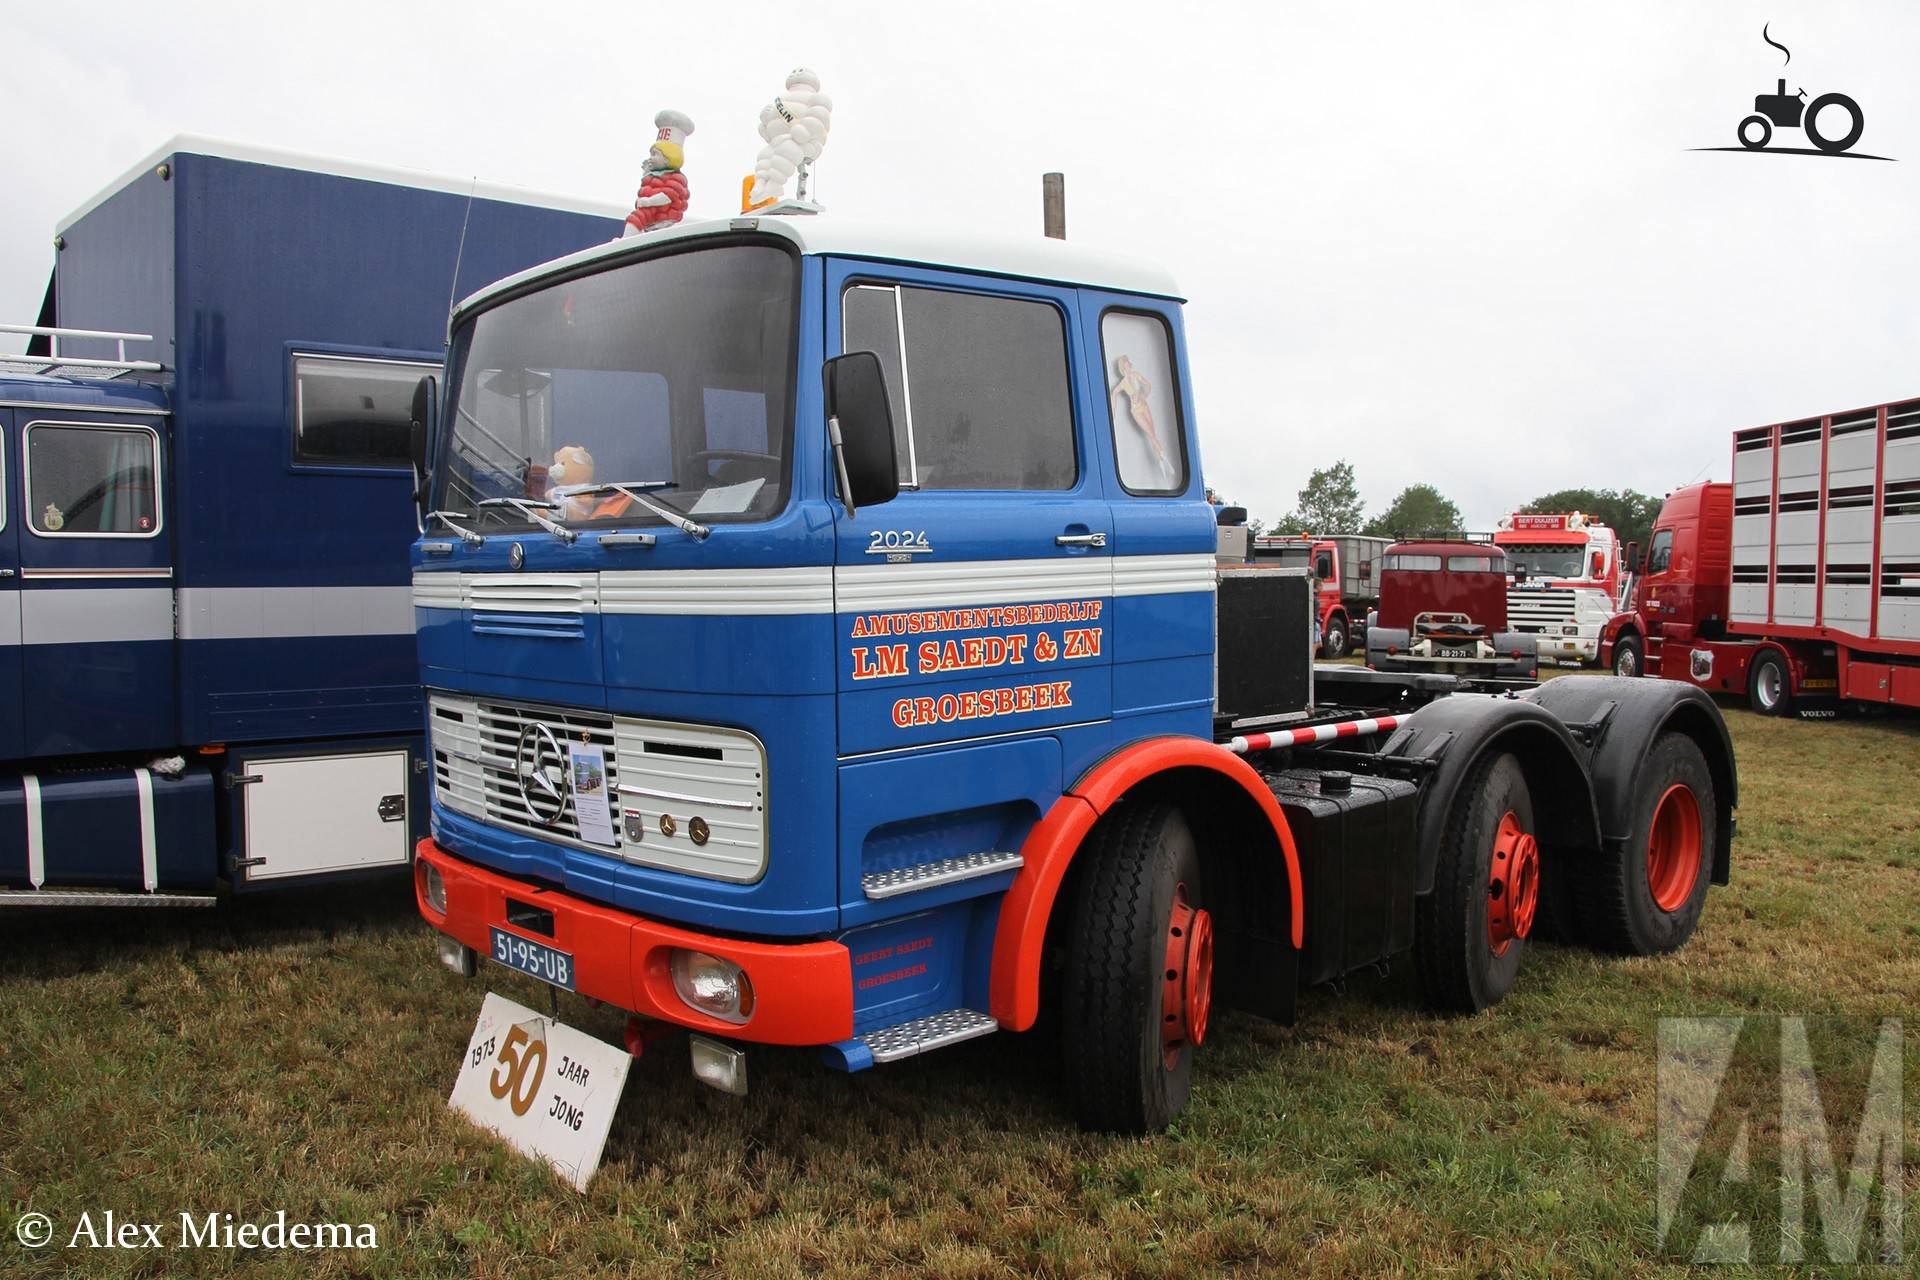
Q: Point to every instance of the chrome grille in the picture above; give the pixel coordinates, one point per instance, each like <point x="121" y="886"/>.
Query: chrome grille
<point x="685" y="771"/>
<point x="655" y="770"/>
<point x="473" y="761"/>
<point x="1532" y="609"/>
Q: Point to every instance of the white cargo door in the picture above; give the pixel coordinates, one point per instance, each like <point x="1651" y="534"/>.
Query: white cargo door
<point x="308" y="815"/>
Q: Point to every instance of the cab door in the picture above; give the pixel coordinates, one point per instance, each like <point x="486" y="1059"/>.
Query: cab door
<point x="973" y="605"/>
<point x="11" y="738"/>
<point x="95" y="584"/>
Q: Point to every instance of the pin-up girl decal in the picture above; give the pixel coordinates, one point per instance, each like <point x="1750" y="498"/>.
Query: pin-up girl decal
<point x="1135" y="387"/>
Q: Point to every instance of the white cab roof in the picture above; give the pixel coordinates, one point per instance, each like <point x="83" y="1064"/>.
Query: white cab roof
<point x="1038" y="258"/>
<point x="188" y="144"/>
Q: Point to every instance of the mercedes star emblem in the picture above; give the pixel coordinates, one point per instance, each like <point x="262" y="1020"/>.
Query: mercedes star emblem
<point x="516" y="555"/>
<point x="540" y="767"/>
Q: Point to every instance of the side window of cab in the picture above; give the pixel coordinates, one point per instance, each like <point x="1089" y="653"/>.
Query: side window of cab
<point x="92" y="480"/>
<point x="980" y="385"/>
<point x="1143" y="402"/>
<point x="1660" y="555"/>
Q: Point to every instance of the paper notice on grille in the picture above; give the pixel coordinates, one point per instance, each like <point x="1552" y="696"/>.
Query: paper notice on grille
<point x="588" y="773"/>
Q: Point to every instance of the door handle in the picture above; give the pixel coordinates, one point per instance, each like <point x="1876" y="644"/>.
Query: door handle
<point x="6" y="573"/>
<point x="1080" y="540"/>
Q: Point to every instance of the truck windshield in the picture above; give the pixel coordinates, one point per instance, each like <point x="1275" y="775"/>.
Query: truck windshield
<point x="1546" y="559"/>
<point x="671" y="374"/>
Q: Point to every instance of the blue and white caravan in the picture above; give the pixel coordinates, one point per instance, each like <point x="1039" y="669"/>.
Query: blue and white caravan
<point x="207" y="671"/>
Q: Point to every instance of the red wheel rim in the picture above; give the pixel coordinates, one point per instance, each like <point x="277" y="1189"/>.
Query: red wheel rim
<point x="1187" y="996"/>
<point x="1513" y="884"/>
<point x="1673" y="848"/>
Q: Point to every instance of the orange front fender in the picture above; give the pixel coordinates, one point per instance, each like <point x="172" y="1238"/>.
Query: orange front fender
<point x="1014" y="991"/>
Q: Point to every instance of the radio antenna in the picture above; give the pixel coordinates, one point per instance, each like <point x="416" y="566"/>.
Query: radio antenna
<point x="453" y="286"/>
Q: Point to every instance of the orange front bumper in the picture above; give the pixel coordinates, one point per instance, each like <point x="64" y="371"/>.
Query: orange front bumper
<point x="803" y="992"/>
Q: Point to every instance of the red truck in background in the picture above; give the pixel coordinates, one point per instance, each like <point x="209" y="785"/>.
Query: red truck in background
<point x="1346" y="585"/>
<point x="1443" y="608"/>
<point x="1565" y="568"/>
<point x="1800" y="580"/>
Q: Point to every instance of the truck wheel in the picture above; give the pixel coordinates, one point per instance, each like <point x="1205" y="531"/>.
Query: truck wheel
<point x="1469" y="932"/>
<point x="1139" y="979"/>
<point x="1336" y="641"/>
<point x="1626" y="656"/>
<point x="1648" y="898"/>
<point x="1768" y="689"/>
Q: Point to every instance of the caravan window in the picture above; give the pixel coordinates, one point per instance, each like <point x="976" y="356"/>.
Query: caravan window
<point x="92" y="480"/>
<point x="353" y="412"/>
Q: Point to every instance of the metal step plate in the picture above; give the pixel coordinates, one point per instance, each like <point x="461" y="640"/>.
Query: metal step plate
<point x="100" y="898"/>
<point x="885" y="884"/>
<point x="890" y="1044"/>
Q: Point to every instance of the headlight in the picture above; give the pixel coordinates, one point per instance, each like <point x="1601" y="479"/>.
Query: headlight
<point x="436" y="889"/>
<point x="718" y="988"/>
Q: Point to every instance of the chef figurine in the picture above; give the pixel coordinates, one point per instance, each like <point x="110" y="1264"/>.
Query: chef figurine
<point x="663" y="188"/>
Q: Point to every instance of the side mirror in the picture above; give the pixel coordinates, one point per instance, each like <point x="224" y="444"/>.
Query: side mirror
<point x="1229" y="515"/>
<point x="860" y="429"/>
<point x="419" y="426"/>
<point x="1630" y="558"/>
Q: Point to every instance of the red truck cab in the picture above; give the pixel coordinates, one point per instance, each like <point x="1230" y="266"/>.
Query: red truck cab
<point x="1443" y="607"/>
<point x="1345" y="585"/>
<point x="1566" y="580"/>
<point x="1681" y="594"/>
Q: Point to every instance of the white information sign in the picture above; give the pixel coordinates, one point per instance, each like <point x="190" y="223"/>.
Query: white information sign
<point x="550" y="1091"/>
<point x="588" y="777"/>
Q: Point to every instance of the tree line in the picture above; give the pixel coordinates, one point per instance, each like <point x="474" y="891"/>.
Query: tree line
<point x="1330" y="503"/>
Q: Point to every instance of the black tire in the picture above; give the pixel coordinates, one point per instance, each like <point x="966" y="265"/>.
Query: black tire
<point x="1114" y="1056"/>
<point x="1617" y="895"/>
<point x="1766" y="132"/>
<point x="1769" y="688"/>
<point x="1629" y="659"/>
<point x="1458" y="968"/>
<point x="1336" y="638"/>
<point x="1812" y="119"/>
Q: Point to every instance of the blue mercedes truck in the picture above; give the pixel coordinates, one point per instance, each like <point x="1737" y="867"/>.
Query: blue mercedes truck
<point x="825" y="643"/>
<point x="207" y="675"/>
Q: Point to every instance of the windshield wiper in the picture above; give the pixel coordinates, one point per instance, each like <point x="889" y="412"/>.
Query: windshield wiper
<point x="467" y="535"/>
<point x="637" y="491"/>
<point x="531" y="508"/>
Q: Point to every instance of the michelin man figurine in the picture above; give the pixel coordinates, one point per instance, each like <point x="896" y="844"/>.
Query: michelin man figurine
<point x="662" y="200"/>
<point x="794" y="126"/>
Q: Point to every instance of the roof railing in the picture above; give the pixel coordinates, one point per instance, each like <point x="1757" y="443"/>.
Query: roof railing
<point x="54" y="364"/>
<point x="1446" y="535"/>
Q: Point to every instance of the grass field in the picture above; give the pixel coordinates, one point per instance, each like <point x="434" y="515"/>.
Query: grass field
<point x="299" y="1058"/>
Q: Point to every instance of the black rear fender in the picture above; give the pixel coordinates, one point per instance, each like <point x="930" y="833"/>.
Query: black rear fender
<point x="1621" y="718"/>
<point x="1462" y="730"/>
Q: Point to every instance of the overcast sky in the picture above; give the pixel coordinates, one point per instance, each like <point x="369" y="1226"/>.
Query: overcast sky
<point x="1464" y="244"/>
